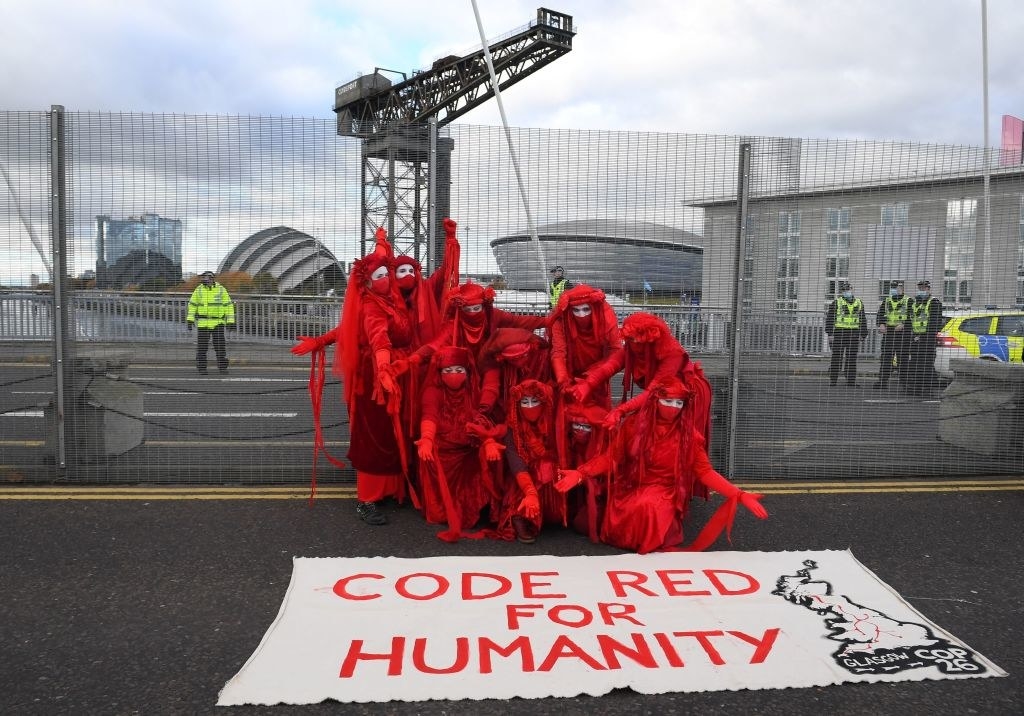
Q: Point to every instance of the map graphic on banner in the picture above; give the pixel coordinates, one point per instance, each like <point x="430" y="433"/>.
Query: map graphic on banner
<point x="388" y="628"/>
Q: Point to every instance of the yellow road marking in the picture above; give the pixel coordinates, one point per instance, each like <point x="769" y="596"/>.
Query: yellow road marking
<point x="158" y="492"/>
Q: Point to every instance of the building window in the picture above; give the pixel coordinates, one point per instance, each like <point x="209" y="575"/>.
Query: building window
<point x="1020" y="255"/>
<point x="895" y="214"/>
<point x="748" y="264"/>
<point x="958" y="269"/>
<point x="787" y="274"/>
<point x="837" y="250"/>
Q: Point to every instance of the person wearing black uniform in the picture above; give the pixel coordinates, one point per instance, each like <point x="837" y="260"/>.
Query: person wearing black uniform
<point x="926" y="321"/>
<point x="893" y="321"/>
<point x="845" y="327"/>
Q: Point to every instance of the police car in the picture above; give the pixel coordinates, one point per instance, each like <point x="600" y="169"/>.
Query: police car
<point x="987" y="335"/>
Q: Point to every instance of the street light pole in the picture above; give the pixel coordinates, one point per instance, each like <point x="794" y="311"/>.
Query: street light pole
<point x="986" y="203"/>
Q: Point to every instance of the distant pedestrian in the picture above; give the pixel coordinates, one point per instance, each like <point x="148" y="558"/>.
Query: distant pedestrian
<point x="845" y="327"/>
<point x="926" y="322"/>
<point x="559" y="283"/>
<point x="210" y="310"/>
<point x="893" y="321"/>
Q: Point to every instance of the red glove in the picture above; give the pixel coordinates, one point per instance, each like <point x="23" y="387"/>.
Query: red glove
<point x="612" y="419"/>
<point x="425" y="445"/>
<point x="529" y="506"/>
<point x="580" y="390"/>
<point x="385" y="373"/>
<point x="751" y="500"/>
<point x="568" y="479"/>
<point x="492" y="450"/>
<point x="402" y="365"/>
<point x="449" y="229"/>
<point x="307" y="344"/>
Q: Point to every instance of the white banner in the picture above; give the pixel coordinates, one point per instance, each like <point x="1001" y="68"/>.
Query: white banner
<point x="385" y="628"/>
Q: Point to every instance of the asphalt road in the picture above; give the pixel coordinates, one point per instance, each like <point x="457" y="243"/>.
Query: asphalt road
<point x="147" y="601"/>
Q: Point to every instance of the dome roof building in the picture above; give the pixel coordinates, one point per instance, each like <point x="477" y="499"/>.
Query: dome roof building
<point x="614" y="255"/>
<point x="300" y="262"/>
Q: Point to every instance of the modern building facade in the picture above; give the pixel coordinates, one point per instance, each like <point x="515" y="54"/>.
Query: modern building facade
<point x="137" y="250"/>
<point x="800" y="244"/>
<point x="616" y="256"/>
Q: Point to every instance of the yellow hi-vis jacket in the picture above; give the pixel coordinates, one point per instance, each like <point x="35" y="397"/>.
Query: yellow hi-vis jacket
<point x="210" y="307"/>
<point x="555" y="290"/>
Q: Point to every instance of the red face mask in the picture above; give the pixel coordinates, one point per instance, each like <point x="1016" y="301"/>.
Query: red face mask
<point x="473" y="319"/>
<point x="453" y="381"/>
<point x="583" y="315"/>
<point x="669" y="412"/>
<point x="407" y="282"/>
<point x="532" y="412"/>
<point x="381" y="286"/>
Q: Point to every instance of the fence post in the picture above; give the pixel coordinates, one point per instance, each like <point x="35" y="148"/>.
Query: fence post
<point x="742" y="191"/>
<point x="63" y="323"/>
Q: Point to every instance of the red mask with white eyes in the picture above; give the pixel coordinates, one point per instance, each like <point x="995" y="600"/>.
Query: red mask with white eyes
<point x="380" y="284"/>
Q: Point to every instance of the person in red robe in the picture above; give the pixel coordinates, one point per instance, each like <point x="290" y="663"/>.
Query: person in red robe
<point x="454" y="474"/>
<point x="584" y="332"/>
<point x="581" y="437"/>
<point x="530" y="499"/>
<point x="469" y="321"/>
<point x="650" y="355"/>
<point x="510" y="356"/>
<point x="426" y="298"/>
<point x="656" y="464"/>
<point x="375" y="329"/>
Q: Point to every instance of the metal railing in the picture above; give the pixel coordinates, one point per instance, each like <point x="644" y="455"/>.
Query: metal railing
<point x="160" y="317"/>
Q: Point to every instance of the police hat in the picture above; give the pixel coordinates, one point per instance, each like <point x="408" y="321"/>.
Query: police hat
<point x="557" y="268"/>
<point x="845" y="286"/>
<point x="207" y="273"/>
<point x="924" y="282"/>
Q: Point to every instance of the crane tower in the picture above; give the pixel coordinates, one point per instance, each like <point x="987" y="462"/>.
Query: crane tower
<point x="397" y="124"/>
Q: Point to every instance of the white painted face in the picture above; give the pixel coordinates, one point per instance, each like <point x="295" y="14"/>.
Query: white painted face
<point x="381" y="272"/>
<point x="529" y="401"/>
<point x="453" y="369"/>
<point x="404" y="270"/>
<point x="582" y="427"/>
<point x="581" y="311"/>
<point x="672" y="402"/>
<point x="473" y="308"/>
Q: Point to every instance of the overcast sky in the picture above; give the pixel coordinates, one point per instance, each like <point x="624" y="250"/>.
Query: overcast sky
<point x="868" y="69"/>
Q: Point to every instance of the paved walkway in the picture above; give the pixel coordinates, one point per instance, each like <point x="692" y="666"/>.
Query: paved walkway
<point x="146" y="601"/>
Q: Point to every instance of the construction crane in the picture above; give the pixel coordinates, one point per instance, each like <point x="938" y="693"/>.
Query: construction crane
<point x="400" y="148"/>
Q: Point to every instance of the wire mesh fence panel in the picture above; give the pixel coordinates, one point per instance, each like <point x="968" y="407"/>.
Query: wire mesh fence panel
<point x="26" y="312"/>
<point x="774" y="278"/>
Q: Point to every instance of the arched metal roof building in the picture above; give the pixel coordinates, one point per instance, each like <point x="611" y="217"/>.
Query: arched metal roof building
<point x="613" y="255"/>
<point x="294" y="258"/>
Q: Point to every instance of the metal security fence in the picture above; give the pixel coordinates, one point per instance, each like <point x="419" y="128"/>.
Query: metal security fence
<point x="738" y="243"/>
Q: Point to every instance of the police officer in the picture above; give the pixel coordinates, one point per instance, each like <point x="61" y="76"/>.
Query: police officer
<point x="210" y="309"/>
<point x="926" y="322"/>
<point x="845" y="327"/>
<point x="559" y="283"/>
<point x="893" y="321"/>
